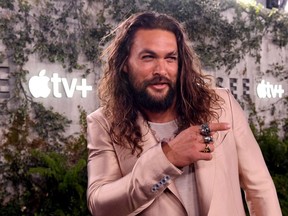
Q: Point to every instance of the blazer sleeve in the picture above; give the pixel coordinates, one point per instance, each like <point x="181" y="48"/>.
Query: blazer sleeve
<point x="254" y="176"/>
<point x="111" y="193"/>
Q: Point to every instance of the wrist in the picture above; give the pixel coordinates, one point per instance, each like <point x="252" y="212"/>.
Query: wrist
<point x="168" y="151"/>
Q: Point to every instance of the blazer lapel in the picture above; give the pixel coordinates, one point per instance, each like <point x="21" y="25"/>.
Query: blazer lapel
<point x="125" y="158"/>
<point x="173" y="189"/>
<point x="205" y="174"/>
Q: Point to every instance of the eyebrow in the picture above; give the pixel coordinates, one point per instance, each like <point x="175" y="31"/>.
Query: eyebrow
<point x="174" y="52"/>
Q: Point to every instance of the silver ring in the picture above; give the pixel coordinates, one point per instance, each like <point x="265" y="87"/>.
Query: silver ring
<point x="205" y="130"/>
<point x="208" y="139"/>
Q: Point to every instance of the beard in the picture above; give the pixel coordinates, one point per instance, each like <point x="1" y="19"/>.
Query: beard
<point x="150" y="102"/>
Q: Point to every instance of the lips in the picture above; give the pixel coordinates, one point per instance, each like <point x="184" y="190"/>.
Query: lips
<point x="159" y="81"/>
<point x="159" y="86"/>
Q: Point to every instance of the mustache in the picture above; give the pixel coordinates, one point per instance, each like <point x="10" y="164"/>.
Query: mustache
<point x="158" y="80"/>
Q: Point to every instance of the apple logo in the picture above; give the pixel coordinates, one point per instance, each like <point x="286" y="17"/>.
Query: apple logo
<point x="261" y="89"/>
<point x="38" y="85"/>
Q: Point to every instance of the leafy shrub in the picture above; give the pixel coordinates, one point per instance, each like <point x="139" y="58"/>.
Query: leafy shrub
<point x="275" y="152"/>
<point x="43" y="175"/>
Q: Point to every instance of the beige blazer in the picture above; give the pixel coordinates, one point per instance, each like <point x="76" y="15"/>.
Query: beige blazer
<point x="123" y="184"/>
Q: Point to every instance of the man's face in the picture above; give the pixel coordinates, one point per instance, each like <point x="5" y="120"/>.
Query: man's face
<point x="152" y="68"/>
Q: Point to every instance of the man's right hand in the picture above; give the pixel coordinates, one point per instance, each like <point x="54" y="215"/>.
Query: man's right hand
<point x="188" y="146"/>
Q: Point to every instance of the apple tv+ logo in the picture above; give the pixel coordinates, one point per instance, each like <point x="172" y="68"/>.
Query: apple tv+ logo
<point x="267" y="90"/>
<point x="39" y="86"/>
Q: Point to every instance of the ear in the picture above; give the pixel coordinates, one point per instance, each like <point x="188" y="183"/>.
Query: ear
<point x="125" y="67"/>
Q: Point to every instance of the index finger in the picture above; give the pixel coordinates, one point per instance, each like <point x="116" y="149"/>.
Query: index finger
<point x="221" y="126"/>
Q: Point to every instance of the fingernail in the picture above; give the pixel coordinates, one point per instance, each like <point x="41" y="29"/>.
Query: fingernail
<point x="227" y="125"/>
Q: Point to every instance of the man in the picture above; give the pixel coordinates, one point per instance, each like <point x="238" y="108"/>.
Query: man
<point x="163" y="141"/>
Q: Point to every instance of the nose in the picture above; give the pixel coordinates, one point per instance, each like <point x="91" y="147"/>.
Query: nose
<point x="160" y="67"/>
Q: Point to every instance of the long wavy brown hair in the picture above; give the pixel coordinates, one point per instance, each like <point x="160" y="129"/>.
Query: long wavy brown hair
<point x="196" y="100"/>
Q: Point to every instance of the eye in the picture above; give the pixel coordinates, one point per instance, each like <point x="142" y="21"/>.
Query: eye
<point x="147" y="57"/>
<point x="172" y="58"/>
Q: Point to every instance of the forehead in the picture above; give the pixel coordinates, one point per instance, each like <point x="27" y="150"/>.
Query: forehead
<point x="154" y="39"/>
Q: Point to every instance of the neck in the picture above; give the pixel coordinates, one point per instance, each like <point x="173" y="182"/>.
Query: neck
<point x="161" y="117"/>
